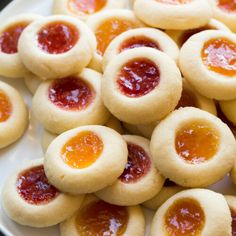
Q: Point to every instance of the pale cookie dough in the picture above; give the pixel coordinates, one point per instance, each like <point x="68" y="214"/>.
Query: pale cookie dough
<point x="32" y="82"/>
<point x="24" y="211"/>
<point x="205" y="213"/>
<point x="47" y="62"/>
<point x="186" y="157"/>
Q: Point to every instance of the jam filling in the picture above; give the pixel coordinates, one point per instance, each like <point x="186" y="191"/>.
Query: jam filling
<point x="233" y="224"/>
<point x="196" y="143"/>
<point x="82" y="150"/>
<point x="101" y="218"/>
<point x="5" y="107"/>
<point x="184" y="217"/>
<point x="110" y="29"/>
<point x="174" y="2"/>
<point x="187" y="99"/>
<point x="227" y="5"/>
<point x="33" y="186"/>
<point x="57" y="37"/>
<point x="138" y="77"/>
<point x="71" y="93"/>
<point x="9" y="38"/>
<point x="219" y="55"/>
<point x="137" y="166"/>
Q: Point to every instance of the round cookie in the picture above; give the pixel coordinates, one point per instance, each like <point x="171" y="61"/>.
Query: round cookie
<point x="190" y="142"/>
<point x="56" y="46"/>
<point x="29" y="199"/>
<point x="231" y="200"/>
<point x="193" y="212"/>
<point x="96" y="217"/>
<point x="207" y="62"/>
<point x="141" y="85"/>
<point x="32" y="82"/>
<point x="79" y="160"/>
<point x="13" y="115"/>
<point x="140" y="180"/>
<point x="70" y="102"/>
<point x="10" y="32"/>
<point x="177" y="14"/>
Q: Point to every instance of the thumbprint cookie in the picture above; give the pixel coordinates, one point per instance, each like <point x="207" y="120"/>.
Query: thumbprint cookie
<point x="13" y="115"/>
<point x="173" y="14"/>
<point x="86" y="159"/>
<point x="67" y="103"/>
<point x="231" y="200"/>
<point x="106" y="26"/>
<point x="29" y="199"/>
<point x="193" y="212"/>
<point x="10" y="32"/>
<point x="56" y="46"/>
<point x="96" y="217"/>
<point x="207" y="61"/>
<point x="139" y="181"/>
<point x="190" y="142"/>
<point x="32" y="82"/>
<point x="141" y="85"/>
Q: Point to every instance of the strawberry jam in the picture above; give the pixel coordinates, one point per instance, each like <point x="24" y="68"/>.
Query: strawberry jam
<point x="227" y="5"/>
<point x="5" y="107"/>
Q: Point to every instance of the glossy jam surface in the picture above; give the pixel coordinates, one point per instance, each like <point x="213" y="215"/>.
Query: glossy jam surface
<point x="187" y="99"/>
<point x="10" y="37"/>
<point x="5" y="107"/>
<point x="233" y="224"/>
<point x="174" y="2"/>
<point x="57" y="37"/>
<point x="33" y="186"/>
<point x="71" y="93"/>
<point x="101" y="219"/>
<point x="227" y="5"/>
<point x="184" y="217"/>
<point x="219" y="55"/>
<point x="138" y="164"/>
<point x="82" y="150"/>
<point x="196" y="142"/>
<point x="110" y="29"/>
<point x="138" y="77"/>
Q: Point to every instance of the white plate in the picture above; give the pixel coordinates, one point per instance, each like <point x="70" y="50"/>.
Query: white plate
<point x="29" y="147"/>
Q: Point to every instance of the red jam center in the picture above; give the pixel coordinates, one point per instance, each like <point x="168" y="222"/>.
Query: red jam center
<point x="187" y="99"/>
<point x="174" y="2"/>
<point x="138" y="77"/>
<point x="233" y="216"/>
<point x="71" y="93"/>
<point x="5" y="107"/>
<point x="227" y="5"/>
<point x="57" y="37"/>
<point x="33" y="186"/>
<point x="10" y="37"/>
<point x="138" y="164"/>
<point x="101" y="218"/>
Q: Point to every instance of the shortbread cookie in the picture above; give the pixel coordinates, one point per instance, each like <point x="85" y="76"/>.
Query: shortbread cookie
<point x="207" y="61"/>
<point x="140" y="180"/>
<point x="56" y="46"/>
<point x="32" y="82"/>
<point x="10" y="32"/>
<point x="29" y="199"/>
<point x="193" y="212"/>
<point x="190" y="142"/>
<point x="141" y="85"/>
<point x="231" y="200"/>
<point x="173" y="14"/>
<point x="13" y="115"/>
<point x="107" y="25"/>
<point x="96" y="217"/>
<point x="70" y="102"/>
<point x="85" y="159"/>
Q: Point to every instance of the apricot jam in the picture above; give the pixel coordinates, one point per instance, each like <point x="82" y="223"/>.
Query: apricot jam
<point x="9" y="38"/>
<point x="137" y="166"/>
<point x="33" y="186"/>
<point x="219" y="55"/>
<point x="110" y="29"/>
<point x="82" y="150"/>
<point x="227" y="5"/>
<point x="233" y="224"/>
<point x="187" y="99"/>
<point x="196" y="142"/>
<point x="57" y="37"/>
<point x="101" y="218"/>
<point x="71" y="93"/>
<point x="184" y="217"/>
<point x="5" y="107"/>
<point x="174" y="2"/>
<point x="138" y="77"/>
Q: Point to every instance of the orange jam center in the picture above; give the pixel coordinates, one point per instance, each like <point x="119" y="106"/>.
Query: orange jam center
<point x="101" y="218"/>
<point x="184" y="217"/>
<point x="10" y="37"/>
<point x="86" y="6"/>
<point x="110" y="29"/>
<point x="227" y="5"/>
<point x="219" y="55"/>
<point x="187" y="99"/>
<point x="174" y="2"/>
<point x="82" y="150"/>
<point x="233" y="224"/>
<point x="196" y="143"/>
<point x="5" y="107"/>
